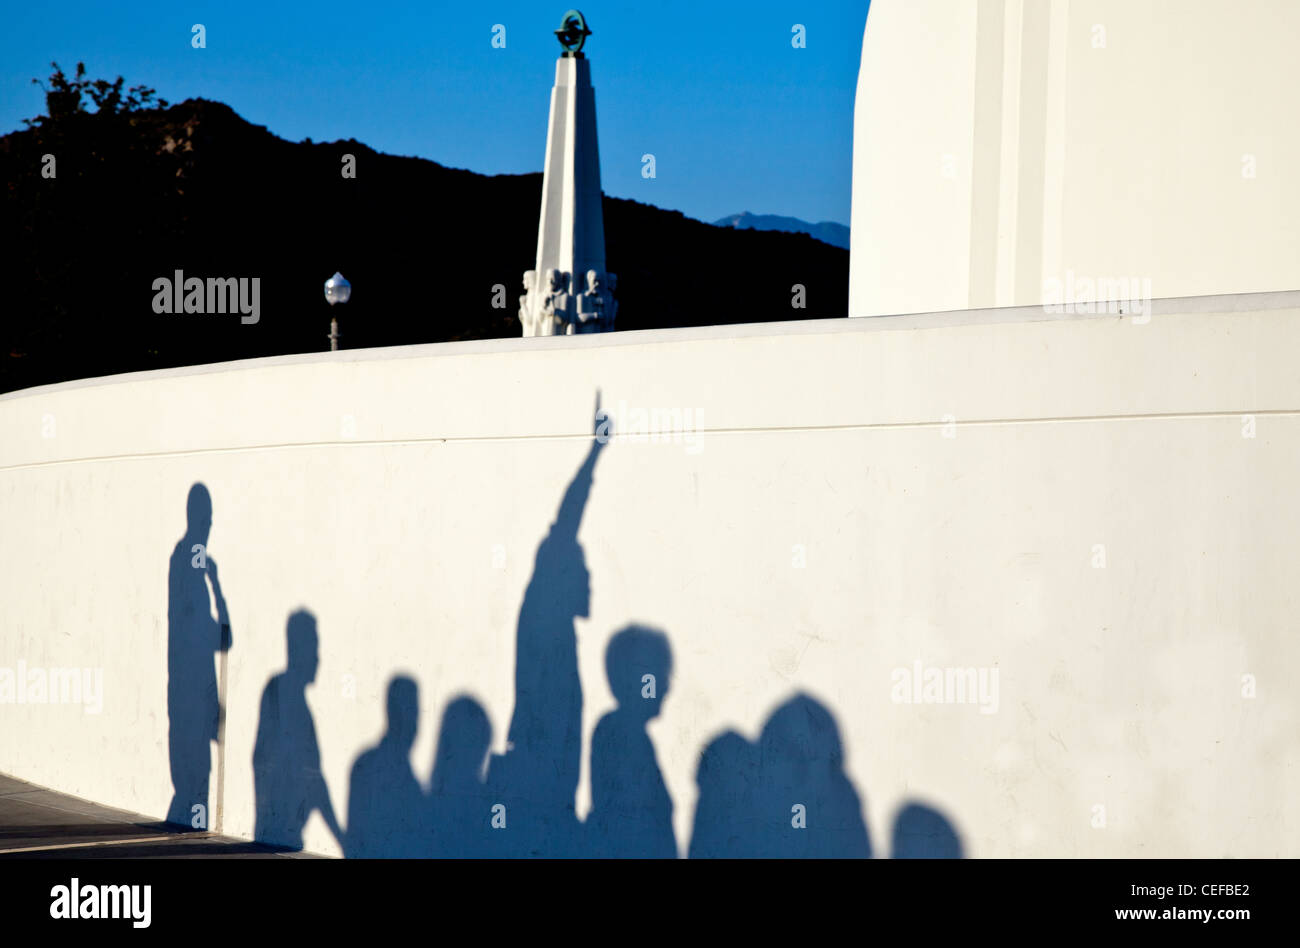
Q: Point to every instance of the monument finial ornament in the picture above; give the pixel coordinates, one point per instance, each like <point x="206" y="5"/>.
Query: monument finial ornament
<point x="573" y="33"/>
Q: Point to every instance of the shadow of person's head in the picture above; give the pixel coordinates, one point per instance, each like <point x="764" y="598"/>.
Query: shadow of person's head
<point x="921" y="832"/>
<point x="463" y="742"/>
<point x="639" y="664"/>
<point x="198" y="514"/>
<point x="304" y="647"/>
<point x="803" y="734"/>
<point x="727" y="760"/>
<point x="403" y="711"/>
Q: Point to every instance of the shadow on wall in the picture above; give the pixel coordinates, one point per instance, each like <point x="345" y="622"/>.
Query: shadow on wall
<point x="631" y="811"/>
<point x="921" y="832"/>
<point x="459" y="808"/>
<point x="385" y="803"/>
<point x="536" y="779"/>
<point x="784" y="795"/>
<point x="194" y="712"/>
<point x="287" y="781"/>
<point x="390" y="815"/>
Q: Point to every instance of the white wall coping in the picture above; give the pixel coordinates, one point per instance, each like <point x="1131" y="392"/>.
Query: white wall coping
<point x="1224" y="303"/>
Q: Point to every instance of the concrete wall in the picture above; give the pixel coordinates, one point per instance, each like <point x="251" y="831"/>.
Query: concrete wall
<point x="1078" y="504"/>
<point x="1002" y="147"/>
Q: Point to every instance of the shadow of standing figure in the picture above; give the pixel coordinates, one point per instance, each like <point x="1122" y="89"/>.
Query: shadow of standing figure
<point x="385" y="800"/>
<point x="786" y="796"/>
<point x="801" y="761"/>
<point x="537" y="778"/>
<point x="631" y="810"/>
<point x="194" y="638"/>
<point x="287" y="781"/>
<point x="727" y="778"/>
<point x="460" y="812"/>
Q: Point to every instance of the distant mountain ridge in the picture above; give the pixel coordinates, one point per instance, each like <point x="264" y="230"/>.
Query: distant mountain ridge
<point x="837" y="235"/>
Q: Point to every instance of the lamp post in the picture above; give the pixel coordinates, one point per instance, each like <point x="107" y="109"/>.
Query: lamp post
<point x="337" y="290"/>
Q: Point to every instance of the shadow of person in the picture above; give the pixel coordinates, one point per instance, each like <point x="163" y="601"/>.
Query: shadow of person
<point x="194" y="637"/>
<point x="631" y="810"/>
<point x="801" y="763"/>
<point x="460" y="812"/>
<point x="921" y="832"/>
<point x="385" y="801"/>
<point x="537" y="778"/>
<point x="727" y="778"/>
<point x="287" y="781"/>
<point x="786" y="796"/>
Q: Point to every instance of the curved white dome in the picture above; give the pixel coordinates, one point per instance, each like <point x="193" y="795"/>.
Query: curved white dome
<point x="1004" y="149"/>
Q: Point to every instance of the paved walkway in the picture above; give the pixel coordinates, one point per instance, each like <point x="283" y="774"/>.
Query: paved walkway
<point x="39" y="823"/>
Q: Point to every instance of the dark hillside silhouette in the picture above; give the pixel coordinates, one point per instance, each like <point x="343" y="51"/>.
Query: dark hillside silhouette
<point x="140" y="193"/>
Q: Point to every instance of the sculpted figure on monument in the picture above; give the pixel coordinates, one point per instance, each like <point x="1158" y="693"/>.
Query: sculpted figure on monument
<point x="544" y="308"/>
<point x="599" y="306"/>
<point x="556" y="304"/>
<point x="526" y="301"/>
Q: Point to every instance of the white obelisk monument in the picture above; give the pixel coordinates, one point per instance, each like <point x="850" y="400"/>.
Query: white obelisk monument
<point x="569" y="291"/>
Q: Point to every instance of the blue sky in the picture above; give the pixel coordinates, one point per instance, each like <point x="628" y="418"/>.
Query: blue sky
<point x="737" y="118"/>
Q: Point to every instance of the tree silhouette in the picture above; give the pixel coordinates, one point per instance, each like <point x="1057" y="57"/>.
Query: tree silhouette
<point x="65" y="97"/>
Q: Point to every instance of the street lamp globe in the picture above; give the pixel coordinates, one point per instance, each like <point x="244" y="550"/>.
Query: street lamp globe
<point x="337" y="289"/>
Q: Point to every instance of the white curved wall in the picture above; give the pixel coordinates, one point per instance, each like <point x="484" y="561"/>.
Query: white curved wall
<point x="961" y="542"/>
<point x="1001" y="145"/>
